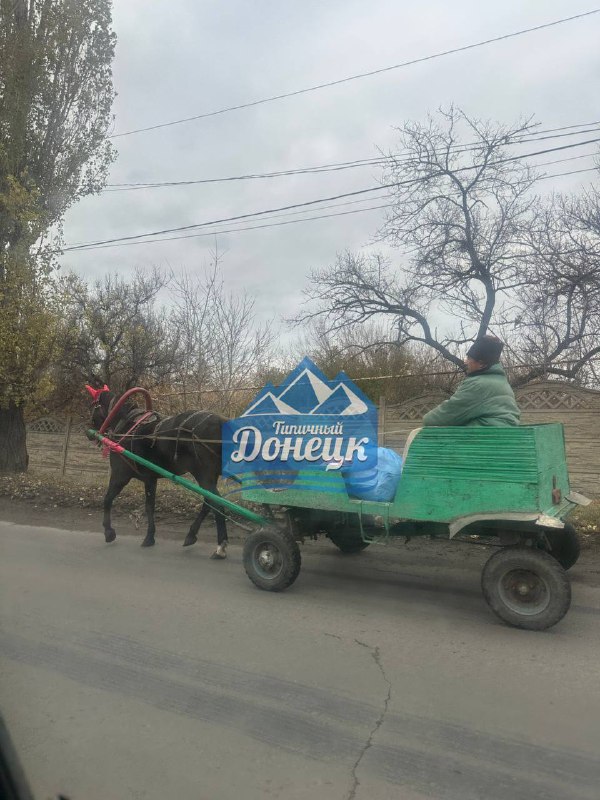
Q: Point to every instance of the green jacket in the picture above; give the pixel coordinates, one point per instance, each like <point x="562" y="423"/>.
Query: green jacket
<point x="483" y="398"/>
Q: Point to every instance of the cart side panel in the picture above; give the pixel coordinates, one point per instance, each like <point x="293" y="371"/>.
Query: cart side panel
<point x="453" y="472"/>
<point x="553" y="472"/>
<point x="326" y="492"/>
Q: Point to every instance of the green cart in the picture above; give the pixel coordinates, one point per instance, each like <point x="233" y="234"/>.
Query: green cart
<point x="508" y="486"/>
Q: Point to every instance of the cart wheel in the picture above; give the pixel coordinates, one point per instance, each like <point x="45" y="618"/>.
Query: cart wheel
<point x="526" y="588"/>
<point x="564" y="545"/>
<point x="348" y="542"/>
<point x="271" y="559"/>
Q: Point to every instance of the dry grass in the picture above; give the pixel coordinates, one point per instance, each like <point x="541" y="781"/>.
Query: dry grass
<point x="45" y="489"/>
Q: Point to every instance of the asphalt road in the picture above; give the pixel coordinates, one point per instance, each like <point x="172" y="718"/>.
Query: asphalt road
<point x="129" y="674"/>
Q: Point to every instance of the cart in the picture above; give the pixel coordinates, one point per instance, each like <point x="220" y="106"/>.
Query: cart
<point x="505" y="486"/>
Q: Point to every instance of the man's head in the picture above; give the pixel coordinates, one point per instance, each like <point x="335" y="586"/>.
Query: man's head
<point x="484" y="352"/>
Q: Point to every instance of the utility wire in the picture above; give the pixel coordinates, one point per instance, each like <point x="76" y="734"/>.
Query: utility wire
<point x="572" y="172"/>
<point x="235" y="230"/>
<point x="438" y="373"/>
<point x="358" y="76"/>
<point x="212" y="223"/>
<point x="293" y="221"/>
<point x="337" y="205"/>
<point x="319" y="169"/>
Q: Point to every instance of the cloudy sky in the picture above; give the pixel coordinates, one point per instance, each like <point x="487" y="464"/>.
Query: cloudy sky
<point x="178" y="58"/>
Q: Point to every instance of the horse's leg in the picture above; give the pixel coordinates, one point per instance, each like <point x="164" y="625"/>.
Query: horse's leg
<point x="192" y="536"/>
<point x="116" y="485"/>
<point x="150" y="492"/>
<point x="222" y="541"/>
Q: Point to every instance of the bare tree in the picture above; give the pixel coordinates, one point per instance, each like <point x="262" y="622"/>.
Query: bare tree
<point x="192" y="309"/>
<point x="461" y="209"/>
<point x="368" y="354"/>
<point x="557" y="323"/>
<point x="224" y="346"/>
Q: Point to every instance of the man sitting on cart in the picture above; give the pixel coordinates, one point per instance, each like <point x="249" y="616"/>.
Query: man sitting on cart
<point x="484" y="397"/>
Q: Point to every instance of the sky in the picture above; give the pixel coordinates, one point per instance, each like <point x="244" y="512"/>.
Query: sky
<point x="178" y="58"/>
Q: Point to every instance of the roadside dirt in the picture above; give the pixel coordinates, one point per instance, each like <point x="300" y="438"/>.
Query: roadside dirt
<point x="44" y="500"/>
<point x="41" y="499"/>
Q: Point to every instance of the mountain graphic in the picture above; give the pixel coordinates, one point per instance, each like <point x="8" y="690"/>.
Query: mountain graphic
<point x="269" y="404"/>
<point x="341" y="401"/>
<point x="305" y="392"/>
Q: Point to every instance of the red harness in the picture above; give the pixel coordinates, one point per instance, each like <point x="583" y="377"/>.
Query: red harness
<point x="120" y="402"/>
<point x="113" y="412"/>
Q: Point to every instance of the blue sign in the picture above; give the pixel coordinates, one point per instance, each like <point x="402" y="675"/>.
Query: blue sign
<point x="308" y="424"/>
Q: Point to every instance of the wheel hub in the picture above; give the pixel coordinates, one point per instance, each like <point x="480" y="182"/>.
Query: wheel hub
<point x="265" y="559"/>
<point x="524" y="591"/>
<point x="268" y="560"/>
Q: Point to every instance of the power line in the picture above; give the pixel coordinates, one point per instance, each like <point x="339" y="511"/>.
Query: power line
<point x="356" y="193"/>
<point x="324" y="168"/>
<point x="304" y="219"/>
<point x="359" y="76"/>
<point x="235" y="230"/>
<point x="572" y="172"/>
<point x="456" y="371"/>
<point x="290" y="222"/>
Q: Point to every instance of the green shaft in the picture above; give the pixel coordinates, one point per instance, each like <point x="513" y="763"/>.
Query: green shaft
<point x="215" y="498"/>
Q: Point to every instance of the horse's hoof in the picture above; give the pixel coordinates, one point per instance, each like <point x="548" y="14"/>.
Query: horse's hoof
<point x="190" y="540"/>
<point x="220" y="552"/>
<point x="109" y="536"/>
<point x="148" y="543"/>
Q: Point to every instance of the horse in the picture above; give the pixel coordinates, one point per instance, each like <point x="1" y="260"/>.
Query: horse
<point x="186" y="442"/>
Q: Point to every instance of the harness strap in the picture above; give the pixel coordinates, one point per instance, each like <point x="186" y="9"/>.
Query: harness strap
<point x="120" y="436"/>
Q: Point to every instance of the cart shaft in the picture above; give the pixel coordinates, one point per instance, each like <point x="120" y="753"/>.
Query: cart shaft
<point x="193" y="487"/>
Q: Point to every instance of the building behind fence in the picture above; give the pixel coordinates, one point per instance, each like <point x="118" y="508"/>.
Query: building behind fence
<point x="60" y="444"/>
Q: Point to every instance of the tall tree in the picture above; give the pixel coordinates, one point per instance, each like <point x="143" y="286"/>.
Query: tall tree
<point x="55" y="99"/>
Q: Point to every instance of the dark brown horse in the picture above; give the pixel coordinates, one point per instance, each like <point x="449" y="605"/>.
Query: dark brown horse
<point x="187" y="442"/>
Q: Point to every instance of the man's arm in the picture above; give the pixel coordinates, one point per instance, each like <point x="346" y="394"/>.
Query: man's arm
<point x="457" y="410"/>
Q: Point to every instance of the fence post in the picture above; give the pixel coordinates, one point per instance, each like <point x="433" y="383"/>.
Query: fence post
<point x="381" y="422"/>
<point x="65" y="452"/>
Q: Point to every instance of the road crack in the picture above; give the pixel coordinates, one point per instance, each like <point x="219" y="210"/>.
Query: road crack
<point x="376" y="656"/>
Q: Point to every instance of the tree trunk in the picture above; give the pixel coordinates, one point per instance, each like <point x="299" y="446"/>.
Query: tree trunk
<point x="13" y="439"/>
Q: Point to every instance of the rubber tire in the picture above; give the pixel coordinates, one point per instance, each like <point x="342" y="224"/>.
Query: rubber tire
<point x="347" y="543"/>
<point x="536" y="561"/>
<point x="564" y="545"/>
<point x="290" y="553"/>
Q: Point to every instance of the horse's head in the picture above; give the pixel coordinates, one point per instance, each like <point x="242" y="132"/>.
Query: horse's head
<point x="101" y="400"/>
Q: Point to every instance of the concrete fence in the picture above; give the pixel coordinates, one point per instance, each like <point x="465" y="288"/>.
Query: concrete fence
<point x="59" y="443"/>
<point x="577" y="409"/>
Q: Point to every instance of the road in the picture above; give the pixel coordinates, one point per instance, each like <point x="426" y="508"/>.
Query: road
<point x="146" y="674"/>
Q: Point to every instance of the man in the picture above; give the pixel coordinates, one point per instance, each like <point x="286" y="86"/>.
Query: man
<point x="484" y="397"/>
